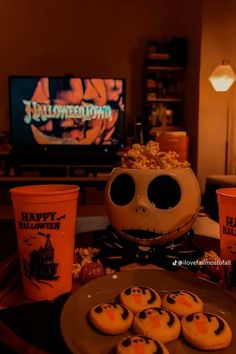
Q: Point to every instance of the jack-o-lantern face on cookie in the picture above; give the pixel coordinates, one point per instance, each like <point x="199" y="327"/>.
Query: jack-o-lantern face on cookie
<point x="182" y="302"/>
<point x="206" y="330"/>
<point x="111" y="318"/>
<point x="157" y="323"/>
<point x="137" y="298"/>
<point x="140" y="345"/>
<point x="152" y="206"/>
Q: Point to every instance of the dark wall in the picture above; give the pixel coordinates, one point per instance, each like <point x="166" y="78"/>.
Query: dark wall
<point x="102" y="38"/>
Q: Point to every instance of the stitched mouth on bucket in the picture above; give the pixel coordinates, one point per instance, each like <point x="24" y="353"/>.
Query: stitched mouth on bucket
<point x="142" y="234"/>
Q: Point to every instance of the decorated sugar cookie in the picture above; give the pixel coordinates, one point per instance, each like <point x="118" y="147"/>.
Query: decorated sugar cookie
<point x="182" y="302"/>
<point x="158" y="323"/>
<point x="206" y="331"/>
<point x="140" y="345"/>
<point x="111" y="318"/>
<point x="137" y="298"/>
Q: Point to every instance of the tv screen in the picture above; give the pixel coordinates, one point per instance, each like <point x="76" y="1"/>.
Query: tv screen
<point x="72" y="111"/>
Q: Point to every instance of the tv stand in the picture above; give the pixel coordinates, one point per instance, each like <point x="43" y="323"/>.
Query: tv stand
<point x="85" y="175"/>
<point x="63" y="170"/>
<point x="63" y="162"/>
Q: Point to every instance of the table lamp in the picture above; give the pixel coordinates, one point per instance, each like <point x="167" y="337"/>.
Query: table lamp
<point x="222" y="78"/>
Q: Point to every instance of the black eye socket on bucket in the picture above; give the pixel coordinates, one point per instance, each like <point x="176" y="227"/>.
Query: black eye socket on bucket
<point x="164" y="192"/>
<point x="122" y="189"/>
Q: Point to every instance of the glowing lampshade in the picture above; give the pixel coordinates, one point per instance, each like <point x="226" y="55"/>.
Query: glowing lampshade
<point x="222" y="77"/>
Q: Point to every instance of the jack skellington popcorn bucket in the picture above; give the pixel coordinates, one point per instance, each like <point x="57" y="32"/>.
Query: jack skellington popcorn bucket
<point x="151" y="213"/>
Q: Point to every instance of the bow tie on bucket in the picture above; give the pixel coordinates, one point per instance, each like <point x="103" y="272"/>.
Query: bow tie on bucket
<point x="117" y="251"/>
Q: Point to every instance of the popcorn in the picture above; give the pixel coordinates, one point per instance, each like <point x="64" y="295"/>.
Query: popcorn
<point x="210" y="256"/>
<point x="214" y="271"/>
<point x="76" y="270"/>
<point x="149" y="157"/>
<point x="83" y="256"/>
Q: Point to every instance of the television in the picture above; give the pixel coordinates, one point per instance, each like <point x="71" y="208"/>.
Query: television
<point x="66" y="115"/>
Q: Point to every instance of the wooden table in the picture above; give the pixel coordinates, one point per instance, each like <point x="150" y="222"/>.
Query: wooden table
<point x="11" y="298"/>
<point x="206" y="237"/>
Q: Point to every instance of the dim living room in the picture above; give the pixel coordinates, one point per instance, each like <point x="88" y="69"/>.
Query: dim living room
<point x="117" y="177"/>
<point x="127" y="47"/>
<point x="125" y="60"/>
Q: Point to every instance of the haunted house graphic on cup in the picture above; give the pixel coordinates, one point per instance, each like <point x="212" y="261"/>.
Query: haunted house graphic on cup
<point x="41" y="265"/>
<point x="38" y="259"/>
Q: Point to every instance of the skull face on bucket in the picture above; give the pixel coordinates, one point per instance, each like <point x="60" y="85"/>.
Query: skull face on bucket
<point x="152" y="206"/>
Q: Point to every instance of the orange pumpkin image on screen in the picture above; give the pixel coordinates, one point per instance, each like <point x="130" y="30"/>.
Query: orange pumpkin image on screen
<point x="106" y="93"/>
<point x="45" y="217"/>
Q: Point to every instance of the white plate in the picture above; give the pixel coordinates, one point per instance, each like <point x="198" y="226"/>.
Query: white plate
<point x="81" y="338"/>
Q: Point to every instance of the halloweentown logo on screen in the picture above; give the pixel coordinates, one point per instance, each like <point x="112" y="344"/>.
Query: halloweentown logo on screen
<point x="42" y="112"/>
<point x="78" y="114"/>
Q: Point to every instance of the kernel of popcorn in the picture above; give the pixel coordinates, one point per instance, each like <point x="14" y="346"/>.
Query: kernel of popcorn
<point x="85" y="260"/>
<point x="76" y="270"/>
<point x="109" y="271"/>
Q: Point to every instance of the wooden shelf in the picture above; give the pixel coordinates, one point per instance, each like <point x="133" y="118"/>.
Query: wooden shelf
<point x="153" y="68"/>
<point x="164" y="87"/>
<point x="164" y="99"/>
<point x="4" y="153"/>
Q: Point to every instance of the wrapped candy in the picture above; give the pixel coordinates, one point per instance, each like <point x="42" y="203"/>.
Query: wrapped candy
<point x="211" y="267"/>
<point x="91" y="271"/>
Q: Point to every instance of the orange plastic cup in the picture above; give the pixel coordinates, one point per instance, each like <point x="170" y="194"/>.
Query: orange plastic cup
<point x="45" y="218"/>
<point x="226" y="198"/>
